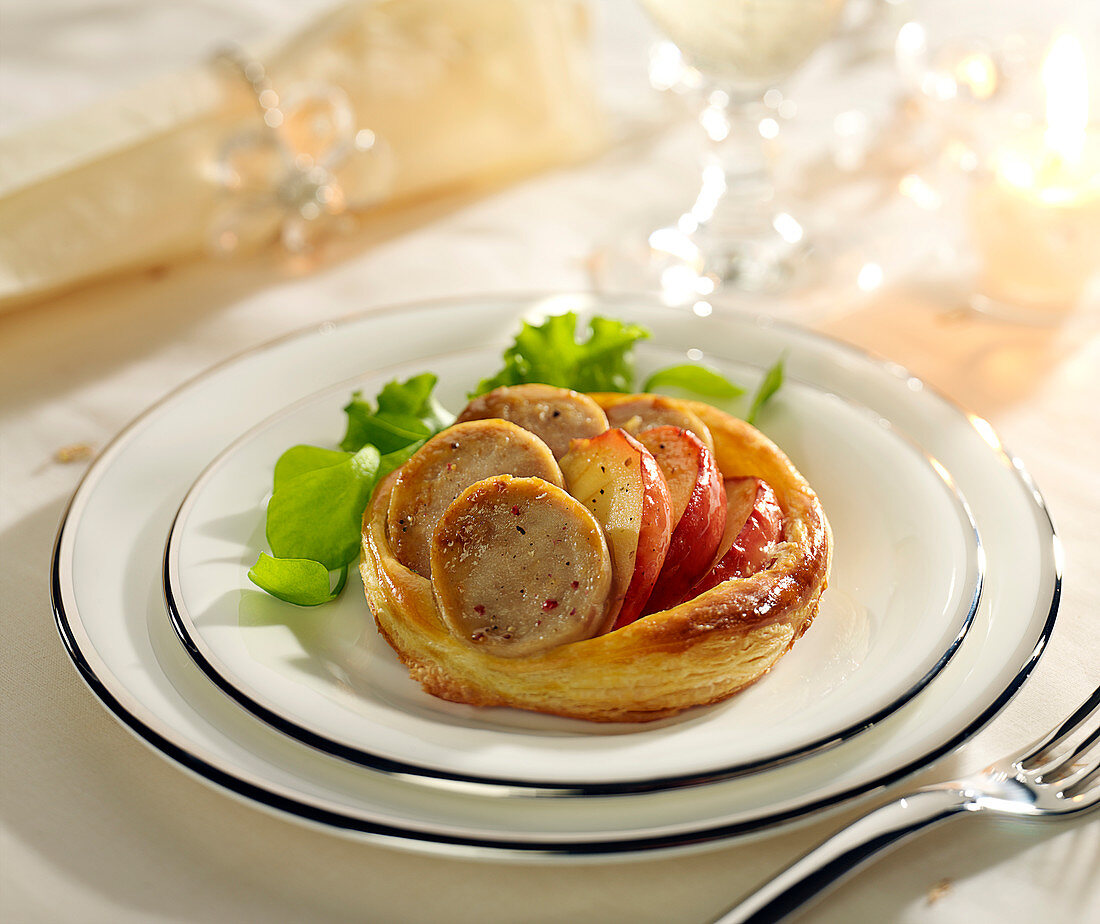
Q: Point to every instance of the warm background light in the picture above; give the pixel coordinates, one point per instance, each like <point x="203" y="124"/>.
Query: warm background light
<point x="1066" y="81"/>
<point x="1037" y="218"/>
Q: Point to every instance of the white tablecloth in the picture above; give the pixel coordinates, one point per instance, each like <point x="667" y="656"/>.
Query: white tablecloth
<point x="98" y="828"/>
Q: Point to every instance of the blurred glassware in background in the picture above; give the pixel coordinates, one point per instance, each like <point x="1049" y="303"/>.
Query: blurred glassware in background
<point x="301" y="168"/>
<point x="862" y="50"/>
<point x="1035" y="207"/>
<point x="668" y="71"/>
<point x="1015" y="148"/>
<point x="867" y="29"/>
<point x="736" y="235"/>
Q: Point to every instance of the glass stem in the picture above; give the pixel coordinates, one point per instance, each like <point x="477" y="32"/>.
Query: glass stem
<point x="737" y="186"/>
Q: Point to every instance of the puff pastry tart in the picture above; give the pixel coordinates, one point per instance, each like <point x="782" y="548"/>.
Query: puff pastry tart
<point x="616" y="572"/>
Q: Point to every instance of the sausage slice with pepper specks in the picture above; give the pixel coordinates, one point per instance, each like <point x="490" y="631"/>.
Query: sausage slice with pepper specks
<point x="444" y="467"/>
<point x="520" y="567"/>
<point x="555" y="415"/>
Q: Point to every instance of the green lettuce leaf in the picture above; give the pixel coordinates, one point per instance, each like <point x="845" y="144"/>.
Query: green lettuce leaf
<point x="769" y="385"/>
<point x="298" y="460"/>
<point x="551" y="353"/>
<point x="702" y="380"/>
<point x="318" y="514"/>
<point x="406" y="413"/>
<point x="314" y="517"/>
<point x="300" y="581"/>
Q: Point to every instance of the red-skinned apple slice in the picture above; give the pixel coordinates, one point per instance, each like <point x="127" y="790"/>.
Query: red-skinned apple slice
<point x="698" y="510"/>
<point x="754" y="523"/>
<point x="619" y="481"/>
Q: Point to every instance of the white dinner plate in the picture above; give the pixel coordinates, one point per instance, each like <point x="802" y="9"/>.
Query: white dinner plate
<point x="108" y="601"/>
<point x="905" y="583"/>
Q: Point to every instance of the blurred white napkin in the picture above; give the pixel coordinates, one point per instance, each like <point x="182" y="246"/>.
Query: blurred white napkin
<point x="463" y="93"/>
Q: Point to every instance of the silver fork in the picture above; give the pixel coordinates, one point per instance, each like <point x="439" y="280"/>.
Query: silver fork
<point x="1058" y="776"/>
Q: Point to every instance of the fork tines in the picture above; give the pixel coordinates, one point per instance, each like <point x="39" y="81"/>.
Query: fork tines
<point x="1068" y="751"/>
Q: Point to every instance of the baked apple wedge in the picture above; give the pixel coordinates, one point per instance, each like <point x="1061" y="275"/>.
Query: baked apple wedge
<point x="698" y="510"/>
<point x="754" y="524"/>
<point x="617" y="479"/>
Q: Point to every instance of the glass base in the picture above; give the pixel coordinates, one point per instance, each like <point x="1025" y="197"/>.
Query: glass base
<point x="685" y="268"/>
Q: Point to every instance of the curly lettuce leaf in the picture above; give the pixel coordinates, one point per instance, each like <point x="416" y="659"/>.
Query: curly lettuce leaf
<point x="551" y="353"/>
<point x="404" y="413"/>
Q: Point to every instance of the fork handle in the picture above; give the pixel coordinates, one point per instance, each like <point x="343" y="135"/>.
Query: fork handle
<point x="846" y="851"/>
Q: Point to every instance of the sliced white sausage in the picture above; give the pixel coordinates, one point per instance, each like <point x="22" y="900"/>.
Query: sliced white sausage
<point x="520" y="567"/>
<point x="556" y="415"/>
<point x="647" y="411"/>
<point x="444" y="467"/>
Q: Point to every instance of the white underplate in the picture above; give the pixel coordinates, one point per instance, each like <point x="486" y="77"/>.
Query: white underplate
<point x="905" y="583"/>
<point x="107" y="594"/>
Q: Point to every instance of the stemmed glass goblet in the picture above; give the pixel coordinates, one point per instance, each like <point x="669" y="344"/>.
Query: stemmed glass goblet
<point x="734" y="235"/>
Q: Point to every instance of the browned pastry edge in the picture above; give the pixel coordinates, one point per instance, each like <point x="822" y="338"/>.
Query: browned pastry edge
<point x="697" y="653"/>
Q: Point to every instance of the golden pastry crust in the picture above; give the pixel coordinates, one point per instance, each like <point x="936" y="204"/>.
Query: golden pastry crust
<point x="697" y="653"/>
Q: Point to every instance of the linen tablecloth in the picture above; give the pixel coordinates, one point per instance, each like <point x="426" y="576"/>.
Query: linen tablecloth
<point x="97" y="828"/>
